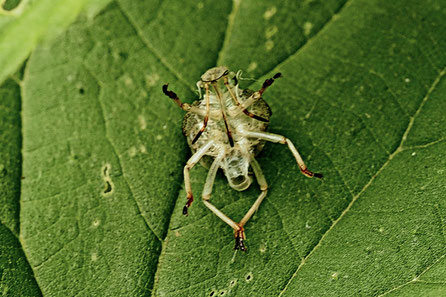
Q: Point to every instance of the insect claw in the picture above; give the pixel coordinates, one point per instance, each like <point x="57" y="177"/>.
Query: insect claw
<point x="185" y="210"/>
<point x="239" y="244"/>
<point x="318" y="175"/>
<point x="268" y="82"/>
<point x="190" y="199"/>
<point x="311" y="174"/>
<point x="239" y="240"/>
<point x="172" y="95"/>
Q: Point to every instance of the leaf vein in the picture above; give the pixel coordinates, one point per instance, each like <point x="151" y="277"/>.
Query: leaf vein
<point x="308" y="40"/>
<point x="414" y="280"/>
<point x="228" y="31"/>
<point x="152" y="49"/>
<point x="391" y="156"/>
<point x="118" y="158"/>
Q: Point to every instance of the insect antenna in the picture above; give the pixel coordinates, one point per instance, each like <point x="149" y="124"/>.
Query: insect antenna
<point x="245" y="111"/>
<point x="206" y="117"/>
<point x="228" y="131"/>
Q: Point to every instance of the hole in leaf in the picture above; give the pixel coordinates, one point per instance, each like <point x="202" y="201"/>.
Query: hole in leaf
<point x="107" y="180"/>
<point x="81" y="91"/>
<point x="108" y="187"/>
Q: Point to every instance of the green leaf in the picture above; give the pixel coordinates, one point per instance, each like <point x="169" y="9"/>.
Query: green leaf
<point x="10" y="164"/>
<point x="25" y="23"/>
<point x="17" y="278"/>
<point x="362" y="97"/>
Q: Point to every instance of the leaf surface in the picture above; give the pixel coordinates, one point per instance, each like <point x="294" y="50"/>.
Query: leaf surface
<point x="26" y="23"/>
<point x="361" y="97"/>
<point x="17" y="278"/>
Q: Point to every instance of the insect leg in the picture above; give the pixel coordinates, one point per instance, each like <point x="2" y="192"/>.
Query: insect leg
<point x="172" y="95"/>
<point x="263" y="187"/>
<point x="268" y="82"/>
<point x="207" y="190"/>
<point x="223" y="113"/>
<point x="245" y="111"/>
<point x="240" y="235"/>
<point x="283" y="140"/>
<point x="257" y="95"/>
<point x="189" y="164"/>
<point x="206" y="117"/>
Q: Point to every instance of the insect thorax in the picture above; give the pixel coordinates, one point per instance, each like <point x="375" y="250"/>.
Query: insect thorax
<point x="237" y="158"/>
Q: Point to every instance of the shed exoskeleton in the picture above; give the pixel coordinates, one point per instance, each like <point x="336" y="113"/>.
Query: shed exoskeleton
<point x="226" y="129"/>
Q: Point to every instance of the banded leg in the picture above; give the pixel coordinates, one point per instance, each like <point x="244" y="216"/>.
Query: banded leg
<point x="189" y="164"/>
<point x="268" y="82"/>
<point x="257" y="95"/>
<point x="206" y="117"/>
<point x="207" y="190"/>
<point x="245" y="111"/>
<point x="223" y="113"/>
<point x="283" y="140"/>
<point x="240" y="234"/>
<point x="172" y="95"/>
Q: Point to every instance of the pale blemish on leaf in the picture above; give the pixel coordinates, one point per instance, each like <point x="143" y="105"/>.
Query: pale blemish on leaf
<point x="142" y="122"/>
<point x="128" y="81"/>
<point x="307" y="226"/>
<point x="143" y="149"/>
<point x="307" y="28"/>
<point x="152" y="79"/>
<point x="269" y="44"/>
<point x="132" y="151"/>
<point x="252" y="66"/>
<point x="96" y="223"/>
<point x="269" y="12"/>
<point x="271" y="31"/>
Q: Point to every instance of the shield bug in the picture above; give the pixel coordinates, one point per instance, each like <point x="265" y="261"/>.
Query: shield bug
<point x="226" y="129"/>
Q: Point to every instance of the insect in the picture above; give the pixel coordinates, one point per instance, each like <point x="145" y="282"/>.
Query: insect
<point x="226" y="129"/>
